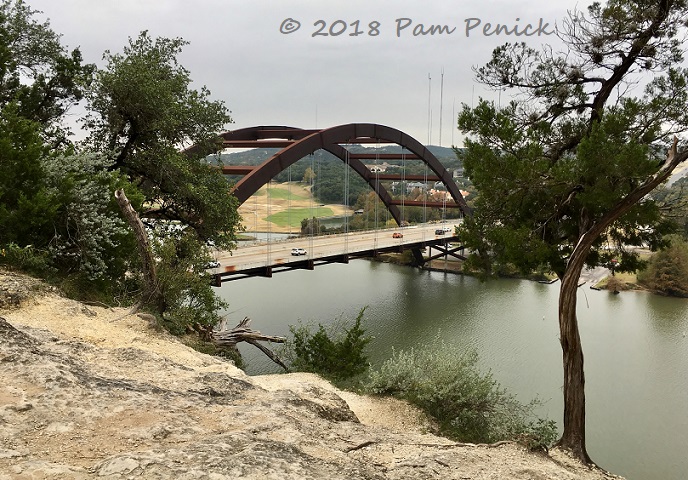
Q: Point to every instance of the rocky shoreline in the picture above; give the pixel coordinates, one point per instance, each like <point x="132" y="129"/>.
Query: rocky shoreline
<point x="91" y="392"/>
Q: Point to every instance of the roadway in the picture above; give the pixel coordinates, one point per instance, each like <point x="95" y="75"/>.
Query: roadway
<point x="278" y="252"/>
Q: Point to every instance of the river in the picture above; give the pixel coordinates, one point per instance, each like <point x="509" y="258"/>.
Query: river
<point x="635" y="345"/>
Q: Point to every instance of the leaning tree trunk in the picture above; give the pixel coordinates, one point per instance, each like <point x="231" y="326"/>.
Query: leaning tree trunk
<point x="151" y="293"/>
<point x="573" y="438"/>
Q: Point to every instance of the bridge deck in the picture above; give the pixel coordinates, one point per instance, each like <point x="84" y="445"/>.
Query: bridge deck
<point x="265" y="258"/>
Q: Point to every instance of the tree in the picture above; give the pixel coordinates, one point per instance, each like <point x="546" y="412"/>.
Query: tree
<point x="673" y="201"/>
<point x="308" y="176"/>
<point x="59" y="204"/>
<point x="26" y="205"/>
<point x="311" y="226"/>
<point x="564" y="170"/>
<point x="667" y="270"/>
<point x="52" y="201"/>
<point x="144" y="112"/>
<point x="37" y="74"/>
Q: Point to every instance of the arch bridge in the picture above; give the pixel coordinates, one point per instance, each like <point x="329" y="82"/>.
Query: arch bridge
<point x="296" y="143"/>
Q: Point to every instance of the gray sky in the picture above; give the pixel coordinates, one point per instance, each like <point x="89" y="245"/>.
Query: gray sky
<point x="266" y="77"/>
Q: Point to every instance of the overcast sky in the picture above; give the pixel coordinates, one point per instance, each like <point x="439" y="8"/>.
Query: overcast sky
<point x="267" y="77"/>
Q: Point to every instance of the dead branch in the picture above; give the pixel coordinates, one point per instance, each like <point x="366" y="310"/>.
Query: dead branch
<point x="242" y="333"/>
<point x="151" y="293"/>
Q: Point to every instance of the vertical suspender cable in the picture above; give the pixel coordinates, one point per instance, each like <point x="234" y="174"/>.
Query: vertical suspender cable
<point x="347" y="164"/>
<point x="425" y="200"/>
<point x="289" y="200"/>
<point x="269" y="223"/>
<point x="311" y="221"/>
<point x="403" y="181"/>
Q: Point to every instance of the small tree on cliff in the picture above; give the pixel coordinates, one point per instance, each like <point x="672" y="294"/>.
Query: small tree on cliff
<point x="143" y="113"/>
<point x="564" y="170"/>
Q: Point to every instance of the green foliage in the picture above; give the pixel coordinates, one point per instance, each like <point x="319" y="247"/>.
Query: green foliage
<point x="142" y="111"/>
<point x="27" y="259"/>
<point x="185" y="284"/>
<point x="26" y="203"/>
<point x="88" y="237"/>
<point x="667" y="270"/>
<point x="61" y="205"/>
<point x="566" y="152"/>
<point x="334" y="354"/>
<point x="311" y="226"/>
<point x="673" y="201"/>
<point x="529" y="213"/>
<point x="58" y="216"/>
<point x="37" y="74"/>
<point x="468" y="406"/>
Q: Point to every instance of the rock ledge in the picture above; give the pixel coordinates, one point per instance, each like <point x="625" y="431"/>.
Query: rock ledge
<point x="90" y="392"/>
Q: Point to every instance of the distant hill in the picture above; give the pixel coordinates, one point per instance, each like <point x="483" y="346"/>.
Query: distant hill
<point x="445" y="155"/>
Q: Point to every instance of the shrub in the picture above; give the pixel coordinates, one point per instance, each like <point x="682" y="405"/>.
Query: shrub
<point x="28" y="259"/>
<point x="185" y="284"/>
<point x="667" y="270"/>
<point x="467" y="405"/>
<point x="615" y="285"/>
<point x="336" y="353"/>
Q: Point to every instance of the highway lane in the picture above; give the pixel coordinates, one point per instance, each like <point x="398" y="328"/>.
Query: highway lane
<point x="279" y="252"/>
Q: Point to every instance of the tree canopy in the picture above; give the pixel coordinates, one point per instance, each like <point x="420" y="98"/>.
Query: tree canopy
<point x="37" y="74"/>
<point x="564" y="170"/>
<point x="143" y="111"/>
<point x="57" y="205"/>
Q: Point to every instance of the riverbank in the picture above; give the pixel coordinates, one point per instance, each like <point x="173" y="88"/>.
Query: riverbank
<point x="90" y="392"/>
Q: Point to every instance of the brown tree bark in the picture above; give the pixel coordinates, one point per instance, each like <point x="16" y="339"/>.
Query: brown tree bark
<point x="573" y="437"/>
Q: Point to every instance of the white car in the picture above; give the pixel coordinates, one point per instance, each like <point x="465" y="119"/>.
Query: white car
<point x="298" y="251"/>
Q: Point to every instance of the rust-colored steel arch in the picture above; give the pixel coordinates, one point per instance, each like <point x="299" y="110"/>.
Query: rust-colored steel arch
<point x="296" y="143"/>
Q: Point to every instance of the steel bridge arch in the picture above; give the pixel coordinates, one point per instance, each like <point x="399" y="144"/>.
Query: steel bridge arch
<point x="296" y="143"/>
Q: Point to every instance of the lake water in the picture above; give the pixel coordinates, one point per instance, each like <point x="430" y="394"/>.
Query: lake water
<point x="635" y="345"/>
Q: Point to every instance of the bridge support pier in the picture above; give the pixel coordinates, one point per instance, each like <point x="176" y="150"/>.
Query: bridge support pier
<point x="418" y="258"/>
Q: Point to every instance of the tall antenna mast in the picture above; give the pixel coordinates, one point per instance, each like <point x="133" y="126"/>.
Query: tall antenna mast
<point x="453" y="119"/>
<point x="441" y="95"/>
<point x="429" y="110"/>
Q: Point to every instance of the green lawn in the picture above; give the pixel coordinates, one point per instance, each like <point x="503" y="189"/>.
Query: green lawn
<point x="285" y="194"/>
<point x="294" y="216"/>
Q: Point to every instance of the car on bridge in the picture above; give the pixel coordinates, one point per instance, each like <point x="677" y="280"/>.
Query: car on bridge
<point x="442" y="231"/>
<point x="397" y="235"/>
<point x="298" y="251"/>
